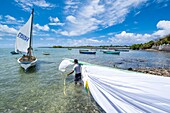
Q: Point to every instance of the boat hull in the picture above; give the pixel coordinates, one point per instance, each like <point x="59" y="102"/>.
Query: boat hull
<point x="14" y="53"/>
<point x="45" y="53"/>
<point x="112" y="52"/>
<point x="87" y="52"/>
<point x="27" y="64"/>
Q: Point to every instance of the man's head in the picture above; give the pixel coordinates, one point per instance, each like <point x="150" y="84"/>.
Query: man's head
<point x="75" y="61"/>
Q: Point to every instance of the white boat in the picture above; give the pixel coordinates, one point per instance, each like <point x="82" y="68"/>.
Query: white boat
<point x="24" y="44"/>
<point x="122" y="91"/>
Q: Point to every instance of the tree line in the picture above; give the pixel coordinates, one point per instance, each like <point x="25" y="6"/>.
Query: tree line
<point x="148" y="45"/>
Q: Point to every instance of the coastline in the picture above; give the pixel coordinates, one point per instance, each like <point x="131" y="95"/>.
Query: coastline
<point x="153" y="50"/>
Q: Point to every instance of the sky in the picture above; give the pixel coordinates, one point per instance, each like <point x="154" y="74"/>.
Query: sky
<point x="86" y="22"/>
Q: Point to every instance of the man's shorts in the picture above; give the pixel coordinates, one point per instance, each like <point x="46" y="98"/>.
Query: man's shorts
<point x="77" y="77"/>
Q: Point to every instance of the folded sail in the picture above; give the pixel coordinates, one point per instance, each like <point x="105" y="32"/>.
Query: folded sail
<point x="119" y="91"/>
<point x="23" y="37"/>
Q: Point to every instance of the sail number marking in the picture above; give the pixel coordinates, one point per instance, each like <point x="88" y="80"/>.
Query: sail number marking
<point x="22" y="36"/>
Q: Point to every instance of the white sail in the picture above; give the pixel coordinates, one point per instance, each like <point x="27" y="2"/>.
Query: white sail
<point x="64" y="65"/>
<point x="23" y="37"/>
<point x="121" y="91"/>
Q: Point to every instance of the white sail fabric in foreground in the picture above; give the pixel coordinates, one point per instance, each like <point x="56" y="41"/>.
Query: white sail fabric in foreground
<point x="23" y="37"/>
<point x="122" y="91"/>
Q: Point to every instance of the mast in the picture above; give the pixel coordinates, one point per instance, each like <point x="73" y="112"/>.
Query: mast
<point x="30" y="48"/>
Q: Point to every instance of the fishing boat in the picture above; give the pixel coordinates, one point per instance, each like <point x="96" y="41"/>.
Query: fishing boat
<point x="87" y="52"/>
<point x="111" y="52"/>
<point x="69" y="49"/>
<point x="122" y="91"/>
<point x="24" y="44"/>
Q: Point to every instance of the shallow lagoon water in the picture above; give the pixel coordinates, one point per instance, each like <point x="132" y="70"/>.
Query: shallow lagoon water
<point x="42" y="88"/>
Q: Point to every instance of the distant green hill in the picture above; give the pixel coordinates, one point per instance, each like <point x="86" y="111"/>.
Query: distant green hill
<point x="148" y="45"/>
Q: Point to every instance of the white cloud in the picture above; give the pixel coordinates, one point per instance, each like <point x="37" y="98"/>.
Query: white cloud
<point x="78" y="42"/>
<point x="125" y="38"/>
<point x="42" y="3"/>
<point x="42" y="28"/>
<point x="48" y="39"/>
<point x="71" y="18"/>
<point x="51" y="39"/>
<point x="56" y="24"/>
<point x="163" y="24"/>
<point x="27" y="5"/>
<point x="110" y="34"/>
<point x="1" y="38"/>
<point x="96" y="14"/>
<point x="137" y="13"/>
<point x="6" y="29"/>
<point x="10" y="20"/>
<point x="164" y="28"/>
<point x="8" y="17"/>
<point x="55" y="21"/>
<point x="71" y="6"/>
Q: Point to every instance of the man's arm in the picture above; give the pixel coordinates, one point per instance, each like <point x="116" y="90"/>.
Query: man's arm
<point x="70" y="73"/>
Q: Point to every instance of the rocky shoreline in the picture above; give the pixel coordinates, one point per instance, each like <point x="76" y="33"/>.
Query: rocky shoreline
<point x="154" y="71"/>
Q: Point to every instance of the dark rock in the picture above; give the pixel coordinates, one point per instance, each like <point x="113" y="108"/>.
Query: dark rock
<point x="130" y="69"/>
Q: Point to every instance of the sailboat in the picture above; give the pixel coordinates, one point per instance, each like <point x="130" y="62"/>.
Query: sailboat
<point x="24" y="44"/>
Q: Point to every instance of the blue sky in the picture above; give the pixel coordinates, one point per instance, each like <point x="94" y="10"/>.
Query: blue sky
<point x="87" y="22"/>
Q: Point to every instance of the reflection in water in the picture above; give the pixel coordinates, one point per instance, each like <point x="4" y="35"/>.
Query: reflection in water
<point x="31" y="69"/>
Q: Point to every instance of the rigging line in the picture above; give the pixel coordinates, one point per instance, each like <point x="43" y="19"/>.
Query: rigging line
<point x="65" y="85"/>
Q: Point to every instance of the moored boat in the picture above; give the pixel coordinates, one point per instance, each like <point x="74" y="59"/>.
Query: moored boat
<point x="45" y="53"/>
<point x="111" y="52"/>
<point x="14" y="53"/>
<point x="87" y="52"/>
<point x="24" y="44"/>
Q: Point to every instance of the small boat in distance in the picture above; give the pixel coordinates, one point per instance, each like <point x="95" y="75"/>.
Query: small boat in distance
<point x="111" y="52"/>
<point x="87" y="52"/>
<point x="123" y="50"/>
<point x="69" y="49"/>
<point x="24" y="44"/>
<point x="14" y="53"/>
<point x="45" y="53"/>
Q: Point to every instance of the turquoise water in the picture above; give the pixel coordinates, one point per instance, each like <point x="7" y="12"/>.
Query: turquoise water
<point x="43" y="90"/>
